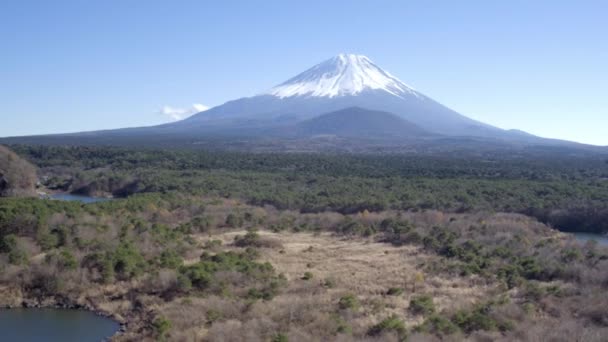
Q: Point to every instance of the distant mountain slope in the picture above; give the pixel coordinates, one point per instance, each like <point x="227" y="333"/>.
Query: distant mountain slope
<point x="360" y="122"/>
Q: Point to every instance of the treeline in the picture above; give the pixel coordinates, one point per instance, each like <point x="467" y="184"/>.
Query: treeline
<point x="498" y="166"/>
<point x="568" y="192"/>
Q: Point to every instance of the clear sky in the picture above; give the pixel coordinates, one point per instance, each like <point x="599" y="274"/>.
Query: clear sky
<point x="539" y="66"/>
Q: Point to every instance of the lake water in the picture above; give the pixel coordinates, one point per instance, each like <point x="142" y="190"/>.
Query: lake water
<point x="79" y="198"/>
<point x="49" y="325"/>
<point x="584" y="237"/>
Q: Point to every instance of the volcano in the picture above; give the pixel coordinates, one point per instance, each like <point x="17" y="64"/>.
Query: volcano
<point x="347" y="96"/>
<point x="341" y="82"/>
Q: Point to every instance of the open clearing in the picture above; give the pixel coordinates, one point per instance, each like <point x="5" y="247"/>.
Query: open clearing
<point x="359" y="266"/>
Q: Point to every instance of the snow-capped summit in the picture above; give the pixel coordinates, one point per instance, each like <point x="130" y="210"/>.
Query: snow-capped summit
<point x="341" y="82"/>
<point x="345" y="74"/>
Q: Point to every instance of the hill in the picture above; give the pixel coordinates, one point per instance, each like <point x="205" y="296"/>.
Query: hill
<point x="360" y="122"/>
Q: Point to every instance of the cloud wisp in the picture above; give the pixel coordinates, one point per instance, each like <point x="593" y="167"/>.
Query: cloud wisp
<point x="176" y="114"/>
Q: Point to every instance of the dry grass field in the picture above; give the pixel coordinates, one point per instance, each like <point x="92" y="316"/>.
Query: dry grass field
<point x="338" y="267"/>
<point x="193" y="269"/>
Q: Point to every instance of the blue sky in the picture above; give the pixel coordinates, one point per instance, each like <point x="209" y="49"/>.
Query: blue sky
<point x="539" y="66"/>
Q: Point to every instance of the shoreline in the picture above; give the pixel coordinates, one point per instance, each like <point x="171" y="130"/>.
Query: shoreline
<point x="64" y="303"/>
<point x="50" y="194"/>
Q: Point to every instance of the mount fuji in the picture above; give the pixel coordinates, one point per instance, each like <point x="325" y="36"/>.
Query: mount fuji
<point x="341" y="82"/>
<point x="340" y="76"/>
<point x="344" y="102"/>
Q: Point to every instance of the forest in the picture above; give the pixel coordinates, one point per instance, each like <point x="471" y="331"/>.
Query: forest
<point x="227" y="246"/>
<point x="187" y="268"/>
<point x="569" y="192"/>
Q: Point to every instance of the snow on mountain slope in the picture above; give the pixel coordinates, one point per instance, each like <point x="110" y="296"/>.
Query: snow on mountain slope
<point x="345" y="74"/>
<point x="340" y="82"/>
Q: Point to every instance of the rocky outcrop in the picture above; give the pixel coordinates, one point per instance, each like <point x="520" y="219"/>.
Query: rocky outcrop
<point x="3" y="183"/>
<point x="17" y="176"/>
<point x="10" y="297"/>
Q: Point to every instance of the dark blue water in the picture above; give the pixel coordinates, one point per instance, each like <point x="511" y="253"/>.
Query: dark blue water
<point x="584" y="237"/>
<point x="79" y="198"/>
<point x="50" y="325"/>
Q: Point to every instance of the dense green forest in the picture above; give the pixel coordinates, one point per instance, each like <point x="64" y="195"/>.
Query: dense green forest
<point x="567" y="191"/>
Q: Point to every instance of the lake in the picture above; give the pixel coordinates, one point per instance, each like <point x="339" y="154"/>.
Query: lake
<point x="584" y="237"/>
<point x="48" y="325"/>
<point x="78" y="198"/>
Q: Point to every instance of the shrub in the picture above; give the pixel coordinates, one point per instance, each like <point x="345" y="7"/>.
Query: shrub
<point x="269" y="291"/>
<point x="253" y="239"/>
<point x="349" y="301"/>
<point x="18" y="256"/>
<point x="307" y="276"/>
<point x="393" y="226"/>
<point x="67" y="260"/>
<point x="163" y="234"/>
<point x="351" y="227"/>
<point x="510" y="274"/>
<point x="280" y="338"/>
<point x="528" y="308"/>
<point x="572" y="254"/>
<point x="170" y="259"/>
<point x="202" y="274"/>
<point x="161" y="327"/>
<point x="250" y="239"/>
<point x="394" y="291"/>
<point x="422" y="305"/>
<point x="342" y="326"/>
<point x="533" y="292"/>
<point x="201" y="224"/>
<point x="46" y="240"/>
<point x="213" y="244"/>
<point x="46" y="283"/>
<point x="531" y="269"/>
<point x="234" y="220"/>
<point x="277" y="228"/>
<point x="477" y="319"/>
<point x="8" y="243"/>
<point x="329" y="283"/>
<point x="198" y="274"/>
<point x="390" y="324"/>
<point x="213" y="316"/>
<point x="106" y="266"/>
<point x="411" y="238"/>
<point x="417" y="279"/>
<point x="127" y="260"/>
<point x="184" y="284"/>
<point x="438" y="325"/>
